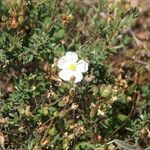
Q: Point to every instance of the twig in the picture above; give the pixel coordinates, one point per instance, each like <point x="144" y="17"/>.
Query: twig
<point x="137" y="60"/>
<point x="147" y="148"/>
<point x="137" y="41"/>
<point x="46" y="132"/>
<point x="93" y="37"/>
<point x="123" y="145"/>
<point x="141" y="62"/>
<point x="136" y="98"/>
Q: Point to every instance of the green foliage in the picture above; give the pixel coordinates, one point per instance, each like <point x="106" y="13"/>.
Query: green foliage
<point x="43" y="112"/>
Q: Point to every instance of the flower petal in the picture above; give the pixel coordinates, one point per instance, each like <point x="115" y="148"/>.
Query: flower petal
<point x="67" y="74"/>
<point x="82" y="66"/>
<point x="78" y="76"/>
<point x="63" y="62"/>
<point x="72" y="56"/>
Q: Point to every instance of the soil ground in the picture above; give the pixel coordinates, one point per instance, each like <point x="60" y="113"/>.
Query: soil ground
<point x="134" y="62"/>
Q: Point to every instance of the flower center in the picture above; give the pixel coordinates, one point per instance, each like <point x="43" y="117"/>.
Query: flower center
<point x="72" y="67"/>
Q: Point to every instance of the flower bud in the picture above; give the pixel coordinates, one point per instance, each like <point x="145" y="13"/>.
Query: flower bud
<point x="72" y="92"/>
<point x="52" y="131"/>
<point x="107" y="91"/>
<point x="102" y="88"/>
<point x="45" y="111"/>
<point x="19" y="2"/>
<point x="72" y="78"/>
<point x="56" y="114"/>
<point x="27" y="113"/>
<point x="62" y="114"/>
<point x="65" y="145"/>
<point x="93" y="112"/>
<point x="21" y="20"/>
<point x="4" y="18"/>
<point x="95" y="89"/>
<point x="13" y="14"/>
<point x="122" y="117"/>
<point x="71" y="136"/>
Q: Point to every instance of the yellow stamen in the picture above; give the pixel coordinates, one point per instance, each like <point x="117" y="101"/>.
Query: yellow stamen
<point x="72" y="67"/>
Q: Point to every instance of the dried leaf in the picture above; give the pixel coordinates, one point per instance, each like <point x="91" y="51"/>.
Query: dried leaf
<point x="143" y="35"/>
<point x="36" y="147"/>
<point x="2" y="141"/>
<point x="10" y="88"/>
<point x="134" y="3"/>
<point x="3" y="120"/>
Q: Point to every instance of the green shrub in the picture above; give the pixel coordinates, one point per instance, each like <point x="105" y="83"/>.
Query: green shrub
<point x="42" y="111"/>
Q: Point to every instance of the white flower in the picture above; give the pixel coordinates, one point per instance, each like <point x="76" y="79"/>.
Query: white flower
<point x="71" y="67"/>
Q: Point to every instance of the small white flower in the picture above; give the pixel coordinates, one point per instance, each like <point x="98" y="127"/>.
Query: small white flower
<point x="71" y="67"/>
